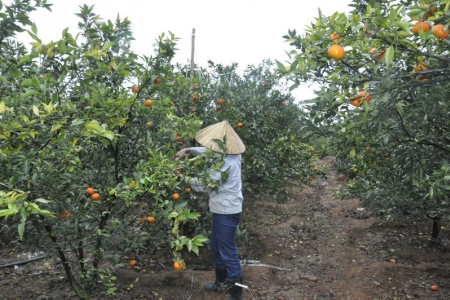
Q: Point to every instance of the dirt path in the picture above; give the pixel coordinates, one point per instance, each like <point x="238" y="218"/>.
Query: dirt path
<point x="316" y="246"/>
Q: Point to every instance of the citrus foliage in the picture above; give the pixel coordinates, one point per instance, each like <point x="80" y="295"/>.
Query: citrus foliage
<point x="89" y="130"/>
<point x="263" y="113"/>
<point x="71" y="120"/>
<point x="398" y="141"/>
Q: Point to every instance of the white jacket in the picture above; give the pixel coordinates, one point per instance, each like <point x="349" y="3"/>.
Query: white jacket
<point x="227" y="199"/>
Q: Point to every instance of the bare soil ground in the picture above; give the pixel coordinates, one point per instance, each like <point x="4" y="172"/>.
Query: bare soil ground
<point x="312" y="247"/>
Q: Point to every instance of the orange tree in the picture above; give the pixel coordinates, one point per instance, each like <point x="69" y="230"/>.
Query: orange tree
<point x="262" y="111"/>
<point x="88" y="131"/>
<point x="385" y="97"/>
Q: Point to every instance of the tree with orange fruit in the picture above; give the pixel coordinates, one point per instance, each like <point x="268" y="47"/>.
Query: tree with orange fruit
<point x="388" y="93"/>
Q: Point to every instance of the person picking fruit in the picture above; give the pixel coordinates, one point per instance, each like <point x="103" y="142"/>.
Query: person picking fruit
<point x="225" y="203"/>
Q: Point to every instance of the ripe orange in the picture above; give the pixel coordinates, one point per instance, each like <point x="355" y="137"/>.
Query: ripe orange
<point x="149" y="124"/>
<point x="362" y="96"/>
<point x="133" y="262"/>
<point x="420" y="24"/>
<point x="195" y="97"/>
<point x="95" y="196"/>
<point x="148" y="103"/>
<point x="187" y="190"/>
<point x="141" y="220"/>
<point x="135" y="89"/>
<point x="221" y="101"/>
<point x="335" y="37"/>
<point x="434" y="288"/>
<point x="90" y="191"/>
<point x="64" y="215"/>
<point x="377" y="54"/>
<point x="439" y="32"/>
<point x="336" y="52"/>
<point x="239" y="125"/>
<point x="158" y="80"/>
<point x="393" y="261"/>
<point x="178" y="266"/>
<point x="151" y="219"/>
<point x="283" y="103"/>
<point x="175" y="196"/>
<point x="420" y="67"/>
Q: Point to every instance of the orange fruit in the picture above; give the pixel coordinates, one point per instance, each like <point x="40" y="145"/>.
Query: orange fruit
<point x="149" y="124"/>
<point x="439" y="32"/>
<point x="362" y="96"/>
<point x="141" y="220"/>
<point x="420" y="24"/>
<point x="335" y="37"/>
<point x="221" y="101"/>
<point x="393" y="261"/>
<point x="336" y="52"/>
<point x="420" y="67"/>
<point x="158" y="80"/>
<point x="133" y="262"/>
<point x="95" y="196"/>
<point x="316" y="169"/>
<point x="218" y="108"/>
<point x="178" y="266"/>
<point x="135" y="89"/>
<point x="368" y="149"/>
<point x="175" y="196"/>
<point x="311" y="149"/>
<point x="311" y="178"/>
<point x="148" y="103"/>
<point x="187" y="190"/>
<point x="195" y="85"/>
<point x="239" y="125"/>
<point x="434" y="288"/>
<point x="64" y="215"/>
<point x="195" y="97"/>
<point x="151" y="219"/>
<point x="283" y="103"/>
<point x="90" y="191"/>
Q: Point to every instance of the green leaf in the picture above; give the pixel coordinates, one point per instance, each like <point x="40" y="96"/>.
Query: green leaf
<point x="3" y="79"/>
<point x="352" y="153"/>
<point x="29" y="93"/>
<point x="25" y="59"/>
<point x="27" y="83"/>
<point x="34" y="28"/>
<point x="55" y="127"/>
<point x="35" y="110"/>
<point x="21" y="228"/>
<point x="281" y="67"/>
<point x="108" y="134"/>
<point x="389" y="58"/>
<point x="107" y="45"/>
<point x="7" y="212"/>
<point x="94" y="126"/>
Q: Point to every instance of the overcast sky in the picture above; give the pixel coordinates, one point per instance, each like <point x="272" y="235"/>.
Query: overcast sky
<point x="242" y="31"/>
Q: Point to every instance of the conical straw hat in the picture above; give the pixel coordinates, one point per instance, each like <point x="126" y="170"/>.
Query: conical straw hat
<point x="206" y="136"/>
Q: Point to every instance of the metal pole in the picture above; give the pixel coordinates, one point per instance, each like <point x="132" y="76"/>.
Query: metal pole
<point x="192" y="53"/>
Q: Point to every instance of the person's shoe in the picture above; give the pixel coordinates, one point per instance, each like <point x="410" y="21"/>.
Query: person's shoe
<point x="219" y="284"/>
<point x="234" y="290"/>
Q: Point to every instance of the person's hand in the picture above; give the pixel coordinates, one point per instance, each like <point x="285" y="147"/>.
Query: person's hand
<point x="180" y="154"/>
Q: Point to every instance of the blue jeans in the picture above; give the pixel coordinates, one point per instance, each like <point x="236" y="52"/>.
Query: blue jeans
<point x="223" y="244"/>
